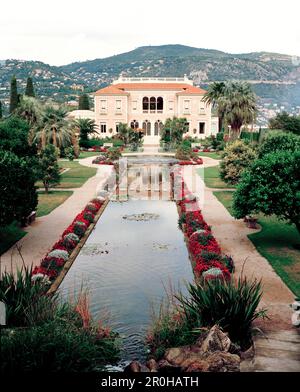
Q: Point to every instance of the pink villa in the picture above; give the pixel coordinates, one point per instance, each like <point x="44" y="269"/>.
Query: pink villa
<point x="147" y="102"/>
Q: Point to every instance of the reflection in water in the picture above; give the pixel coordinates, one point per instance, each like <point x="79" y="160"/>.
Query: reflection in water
<point x="127" y="263"/>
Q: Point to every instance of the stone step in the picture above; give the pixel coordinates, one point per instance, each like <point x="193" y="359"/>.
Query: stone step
<point x="266" y="364"/>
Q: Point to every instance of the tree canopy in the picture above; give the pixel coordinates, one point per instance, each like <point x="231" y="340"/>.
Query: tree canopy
<point x="286" y="122"/>
<point x="18" y="197"/>
<point x="235" y="101"/>
<point x="84" y="102"/>
<point x="14" y="134"/>
<point x="271" y="186"/>
<point x="14" y="97"/>
<point x="277" y="141"/>
<point x="173" y="131"/>
<point x="29" y="91"/>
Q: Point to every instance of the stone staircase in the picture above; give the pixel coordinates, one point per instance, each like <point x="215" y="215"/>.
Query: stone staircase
<point x="275" y="352"/>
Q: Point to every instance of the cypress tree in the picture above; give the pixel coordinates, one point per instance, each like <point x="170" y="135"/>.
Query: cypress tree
<point x="29" y="88"/>
<point x="0" y="109"/>
<point x="84" y="102"/>
<point x="14" y="98"/>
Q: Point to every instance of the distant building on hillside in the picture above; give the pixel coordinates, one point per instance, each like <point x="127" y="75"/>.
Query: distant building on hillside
<point x="147" y="102"/>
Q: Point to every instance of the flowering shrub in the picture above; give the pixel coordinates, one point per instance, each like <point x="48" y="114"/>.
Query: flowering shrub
<point x="91" y="207"/>
<point x="59" y="254"/>
<point x="54" y="261"/>
<point x="79" y="228"/>
<point x="205" y="252"/>
<point x="70" y="241"/>
<point x="89" y="216"/>
<point x="195" y="161"/>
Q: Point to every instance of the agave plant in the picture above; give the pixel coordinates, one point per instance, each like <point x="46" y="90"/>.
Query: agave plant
<point x="22" y="296"/>
<point x="232" y="305"/>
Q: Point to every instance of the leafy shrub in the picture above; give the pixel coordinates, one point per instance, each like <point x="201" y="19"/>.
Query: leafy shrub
<point x="169" y="328"/>
<point x="70" y="153"/>
<point x="114" y="154"/>
<point x="22" y="296"/>
<point x="65" y="343"/>
<point x="271" y="186"/>
<point x="232" y="305"/>
<point x="184" y="153"/>
<point x="237" y="157"/>
<point x="279" y="141"/>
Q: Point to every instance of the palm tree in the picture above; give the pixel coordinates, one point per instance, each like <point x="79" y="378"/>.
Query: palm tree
<point x="213" y="97"/>
<point x="85" y="127"/>
<point x="239" y="102"/>
<point x="30" y="109"/>
<point x="54" y="128"/>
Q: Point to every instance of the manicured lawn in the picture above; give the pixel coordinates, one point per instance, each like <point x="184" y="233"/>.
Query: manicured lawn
<point x="75" y="177"/>
<point x="213" y="155"/>
<point x="48" y="202"/>
<point x="9" y="235"/>
<point x="275" y="242"/>
<point x="86" y="154"/>
<point x="212" y="178"/>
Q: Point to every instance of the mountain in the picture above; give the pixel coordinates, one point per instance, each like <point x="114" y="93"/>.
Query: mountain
<point x="275" y="77"/>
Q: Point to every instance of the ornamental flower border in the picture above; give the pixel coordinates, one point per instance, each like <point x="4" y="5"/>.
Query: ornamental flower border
<point x="208" y="261"/>
<point x="53" y="263"/>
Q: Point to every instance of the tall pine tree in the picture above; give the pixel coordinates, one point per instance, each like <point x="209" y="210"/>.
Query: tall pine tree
<point x="14" y="97"/>
<point x="1" y="114"/>
<point x="29" y="88"/>
<point x="84" y="102"/>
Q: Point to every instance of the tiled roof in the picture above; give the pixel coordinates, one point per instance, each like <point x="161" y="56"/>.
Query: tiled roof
<point x="122" y="88"/>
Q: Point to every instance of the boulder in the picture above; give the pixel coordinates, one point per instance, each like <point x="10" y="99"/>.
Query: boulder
<point x="152" y="365"/>
<point x="216" y="340"/>
<point x="166" y="367"/>
<point x="135" y="367"/>
<point x="221" y="361"/>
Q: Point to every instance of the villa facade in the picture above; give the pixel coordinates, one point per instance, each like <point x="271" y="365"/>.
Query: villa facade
<point x="146" y="103"/>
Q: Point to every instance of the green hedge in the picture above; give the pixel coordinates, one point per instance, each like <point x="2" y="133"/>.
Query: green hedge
<point x="250" y="136"/>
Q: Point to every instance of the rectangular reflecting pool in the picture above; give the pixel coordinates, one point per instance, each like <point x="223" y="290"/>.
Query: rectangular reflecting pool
<point x="130" y="258"/>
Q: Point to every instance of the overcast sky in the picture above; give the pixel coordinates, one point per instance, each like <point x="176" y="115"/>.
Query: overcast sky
<point x="62" y="31"/>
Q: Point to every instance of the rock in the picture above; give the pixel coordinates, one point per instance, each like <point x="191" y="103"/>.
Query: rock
<point x="152" y="365"/>
<point x="216" y="340"/>
<point x="133" y="367"/>
<point x="223" y="362"/>
<point x="166" y="367"/>
<point x="248" y="354"/>
<point x="175" y="356"/>
<point x="198" y="366"/>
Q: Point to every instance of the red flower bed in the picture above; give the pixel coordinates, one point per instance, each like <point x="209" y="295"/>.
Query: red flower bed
<point x="204" y="249"/>
<point x="197" y="161"/>
<point x="51" y="265"/>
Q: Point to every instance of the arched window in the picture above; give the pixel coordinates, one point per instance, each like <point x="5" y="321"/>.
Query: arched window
<point x="147" y="127"/>
<point x="157" y="127"/>
<point x="152" y="104"/>
<point x="134" y="124"/>
<point x="160" y="103"/>
<point x="145" y="104"/>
